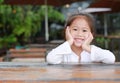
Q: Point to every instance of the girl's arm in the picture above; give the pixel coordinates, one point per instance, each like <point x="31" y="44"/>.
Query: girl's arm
<point x="98" y="54"/>
<point x="56" y="55"/>
<point x="102" y="55"/>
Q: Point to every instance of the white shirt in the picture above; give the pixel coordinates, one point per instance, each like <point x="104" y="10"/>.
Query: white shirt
<point x="63" y="53"/>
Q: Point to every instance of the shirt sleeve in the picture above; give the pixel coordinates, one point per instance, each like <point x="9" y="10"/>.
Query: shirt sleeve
<point x="56" y="55"/>
<point x="101" y="55"/>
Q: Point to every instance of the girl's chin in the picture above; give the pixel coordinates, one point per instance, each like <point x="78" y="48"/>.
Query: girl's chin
<point x="78" y="44"/>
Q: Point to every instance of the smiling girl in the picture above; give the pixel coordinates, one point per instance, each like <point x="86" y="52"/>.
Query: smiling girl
<point x="79" y="32"/>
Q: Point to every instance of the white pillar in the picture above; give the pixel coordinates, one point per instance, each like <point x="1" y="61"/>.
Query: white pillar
<point x="46" y="22"/>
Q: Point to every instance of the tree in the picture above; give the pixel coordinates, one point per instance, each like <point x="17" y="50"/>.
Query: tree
<point x="19" y="23"/>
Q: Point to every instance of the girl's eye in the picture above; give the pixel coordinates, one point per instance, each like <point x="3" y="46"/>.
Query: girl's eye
<point x="84" y="30"/>
<point x="75" y="29"/>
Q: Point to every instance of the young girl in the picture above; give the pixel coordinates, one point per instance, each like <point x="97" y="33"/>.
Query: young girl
<point x="77" y="47"/>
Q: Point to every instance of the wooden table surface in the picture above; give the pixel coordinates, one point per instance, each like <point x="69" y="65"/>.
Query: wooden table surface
<point x="21" y="72"/>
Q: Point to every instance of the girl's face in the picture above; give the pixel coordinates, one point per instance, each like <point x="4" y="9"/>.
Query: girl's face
<point x="80" y="31"/>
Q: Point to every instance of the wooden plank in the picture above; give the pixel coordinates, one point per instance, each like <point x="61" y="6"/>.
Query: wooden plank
<point x="28" y="50"/>
<point x="62" y="73"/>
<point x="26" y="53"/>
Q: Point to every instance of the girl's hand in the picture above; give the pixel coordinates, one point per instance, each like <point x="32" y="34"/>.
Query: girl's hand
<point x="86" y="44"/>
<point x="69" y="38"/>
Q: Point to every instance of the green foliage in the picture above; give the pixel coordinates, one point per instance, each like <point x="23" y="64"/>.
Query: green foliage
<point x="1" y="1"/>
<point x="25" y="21"/>
<point x="100" y="41"/>
<point x="52" y="14"/>
<point x="6" y="41"/>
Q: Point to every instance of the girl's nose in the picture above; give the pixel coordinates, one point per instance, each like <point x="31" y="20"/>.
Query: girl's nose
<point x="80" y="33"/>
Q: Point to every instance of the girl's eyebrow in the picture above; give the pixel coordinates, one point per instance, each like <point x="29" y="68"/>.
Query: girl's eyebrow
<point x="85" y="27"/>
<point x="74" y="26"/>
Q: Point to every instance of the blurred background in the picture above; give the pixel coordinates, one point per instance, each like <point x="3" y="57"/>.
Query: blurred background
<point x="40" y="23"/>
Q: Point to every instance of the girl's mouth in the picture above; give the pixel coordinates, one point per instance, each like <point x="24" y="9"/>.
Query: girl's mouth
<point x="79" y="39"/>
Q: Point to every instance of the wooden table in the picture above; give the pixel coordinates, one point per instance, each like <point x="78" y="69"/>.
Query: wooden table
<point x="12" y="72"/>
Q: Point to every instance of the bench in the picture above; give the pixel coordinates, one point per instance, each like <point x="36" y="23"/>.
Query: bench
<point x="26" y="53"/>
